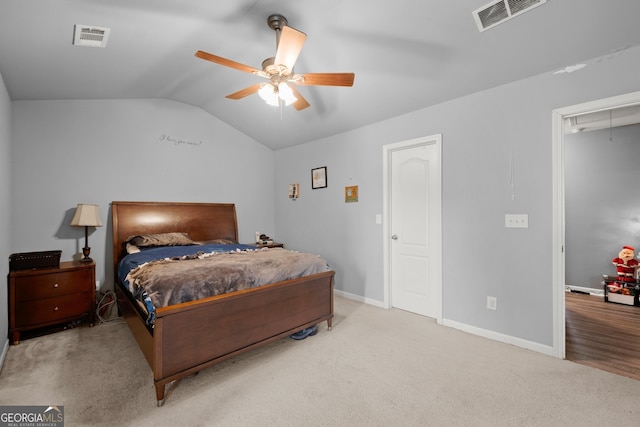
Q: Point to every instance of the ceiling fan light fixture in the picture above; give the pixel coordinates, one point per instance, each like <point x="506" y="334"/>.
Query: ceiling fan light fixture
<point x="273" y="94"/>
<point x="268" y="93"/>
<point x="286" y="94"/>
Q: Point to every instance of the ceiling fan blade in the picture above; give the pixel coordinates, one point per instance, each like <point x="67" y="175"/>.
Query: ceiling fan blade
<point x="327" y="79"/>
<point x="245" y="92"/>
<point x="289" y="47"/>
<point x="300" y="103"/>
<point x="226" y="62"/>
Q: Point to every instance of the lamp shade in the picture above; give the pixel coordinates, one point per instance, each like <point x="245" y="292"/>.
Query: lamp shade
<point x="86" y="216"/>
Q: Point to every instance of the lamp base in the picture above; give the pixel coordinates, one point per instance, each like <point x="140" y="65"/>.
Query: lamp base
<point x="86" y="251"/>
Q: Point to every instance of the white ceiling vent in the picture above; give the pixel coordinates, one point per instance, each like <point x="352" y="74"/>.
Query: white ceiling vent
<point x="500" y="11"/>
<point x="87" y="35"/>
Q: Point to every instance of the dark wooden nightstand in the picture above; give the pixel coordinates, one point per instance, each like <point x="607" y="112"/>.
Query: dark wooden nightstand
<point x="51" y="296"/>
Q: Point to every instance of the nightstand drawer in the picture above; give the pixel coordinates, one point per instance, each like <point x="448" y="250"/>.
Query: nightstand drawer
<point x="52" y="285"/>
<point x="49" y="310"/>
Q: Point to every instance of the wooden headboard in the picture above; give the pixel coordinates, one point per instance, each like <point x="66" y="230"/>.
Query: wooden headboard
<point x="202" y="221"/>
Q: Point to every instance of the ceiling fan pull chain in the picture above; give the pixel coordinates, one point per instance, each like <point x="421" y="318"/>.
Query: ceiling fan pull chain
<point x="610" y="126"/>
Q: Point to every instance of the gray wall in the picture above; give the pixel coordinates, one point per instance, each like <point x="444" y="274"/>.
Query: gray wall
<point x="70" y="152"/>
<point x="5" y="208"/>
<point x="481" y="133"/>
<point x="65" y="152"/>
<point x="602" y="201"/>
<point x="320" y="221"/>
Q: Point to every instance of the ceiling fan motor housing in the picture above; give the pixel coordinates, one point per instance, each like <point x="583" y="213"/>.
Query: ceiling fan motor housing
<point x="271" y="69"/>
<point x="277" y="22"/>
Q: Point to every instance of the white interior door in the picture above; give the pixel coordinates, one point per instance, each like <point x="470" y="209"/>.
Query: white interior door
<point x="415" y="269"/>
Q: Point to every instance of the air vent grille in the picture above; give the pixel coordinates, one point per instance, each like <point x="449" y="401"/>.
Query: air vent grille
<point x="517" y="6"/>
<point x="87" y="35"/>
<point x="493" y="14"/>
<point x="500" y="11"/>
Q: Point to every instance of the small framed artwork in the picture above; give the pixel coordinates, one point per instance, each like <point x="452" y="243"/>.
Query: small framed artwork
<point x="294" y="191"/>
<point x="319" y="177"/>
<point x="351" y="194"/>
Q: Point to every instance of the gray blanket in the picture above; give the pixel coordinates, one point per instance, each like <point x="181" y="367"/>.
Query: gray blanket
<point x="173" y="281"/>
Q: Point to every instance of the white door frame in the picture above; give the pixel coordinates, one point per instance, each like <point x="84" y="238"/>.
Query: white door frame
<point x="558" y="117"/>
<point x="387" y="150"/>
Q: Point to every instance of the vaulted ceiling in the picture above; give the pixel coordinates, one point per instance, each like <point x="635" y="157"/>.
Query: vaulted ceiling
<point x="406" y="54"/>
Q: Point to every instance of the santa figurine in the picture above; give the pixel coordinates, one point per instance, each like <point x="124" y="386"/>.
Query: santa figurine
<point x="626" y="265"/>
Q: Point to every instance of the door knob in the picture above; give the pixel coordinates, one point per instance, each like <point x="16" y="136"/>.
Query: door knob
<point x="394" y="237"/>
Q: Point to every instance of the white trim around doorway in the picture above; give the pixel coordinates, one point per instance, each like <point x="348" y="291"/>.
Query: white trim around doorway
<point x="559" y="289"/>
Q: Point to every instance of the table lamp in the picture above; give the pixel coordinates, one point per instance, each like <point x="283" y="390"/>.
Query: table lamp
<point x="86" y="216"/>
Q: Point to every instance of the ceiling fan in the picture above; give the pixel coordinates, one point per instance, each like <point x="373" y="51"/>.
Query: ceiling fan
<point x="282" y="82"/>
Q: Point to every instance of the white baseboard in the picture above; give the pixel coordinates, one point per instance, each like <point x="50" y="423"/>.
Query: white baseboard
<point x="496" y="336"/>
<point x="591" y="291"/>
<point x="3" y="355"/>
<point x="507" y="339"/>
<point x="358" y="298"/>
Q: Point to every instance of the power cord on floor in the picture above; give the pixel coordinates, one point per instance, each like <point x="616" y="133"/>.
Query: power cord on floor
<point x="106" y="305"/>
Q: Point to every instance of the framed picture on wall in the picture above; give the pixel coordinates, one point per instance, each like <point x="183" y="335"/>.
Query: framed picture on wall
<point x="319" y="177"/>
<point x="351" y="194"/>
<point x="294" y="191"/>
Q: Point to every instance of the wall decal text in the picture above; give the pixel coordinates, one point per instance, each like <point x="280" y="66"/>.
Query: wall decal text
<point x="177" y="141"/>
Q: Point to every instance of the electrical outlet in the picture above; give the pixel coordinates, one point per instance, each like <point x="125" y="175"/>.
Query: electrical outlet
<point x="492" y="303"/>
<point x="516" y="221"/>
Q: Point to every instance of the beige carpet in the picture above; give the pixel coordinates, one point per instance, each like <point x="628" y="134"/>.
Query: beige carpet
<point x="375" y="368"/>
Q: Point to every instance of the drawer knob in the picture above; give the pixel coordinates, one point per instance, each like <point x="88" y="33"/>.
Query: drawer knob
<point x="55" y="309"/>
<point x="56" y="285"/>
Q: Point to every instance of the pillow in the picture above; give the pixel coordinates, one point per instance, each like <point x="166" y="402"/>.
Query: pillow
<point x="160" y="239"/>
<point x="223" y="241"/>
<point x="132" y="249"/>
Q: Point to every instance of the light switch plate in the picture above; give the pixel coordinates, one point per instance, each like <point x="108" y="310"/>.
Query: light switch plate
<point x="516" y="220"/>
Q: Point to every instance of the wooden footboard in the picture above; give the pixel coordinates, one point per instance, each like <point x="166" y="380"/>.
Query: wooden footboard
<point x="191" y="336"/>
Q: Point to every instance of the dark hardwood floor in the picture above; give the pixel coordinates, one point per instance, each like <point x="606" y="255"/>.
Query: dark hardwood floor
<point x="603" y="335"/>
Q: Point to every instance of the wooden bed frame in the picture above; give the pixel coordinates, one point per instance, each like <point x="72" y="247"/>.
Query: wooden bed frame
<point x="192" y="336"/>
